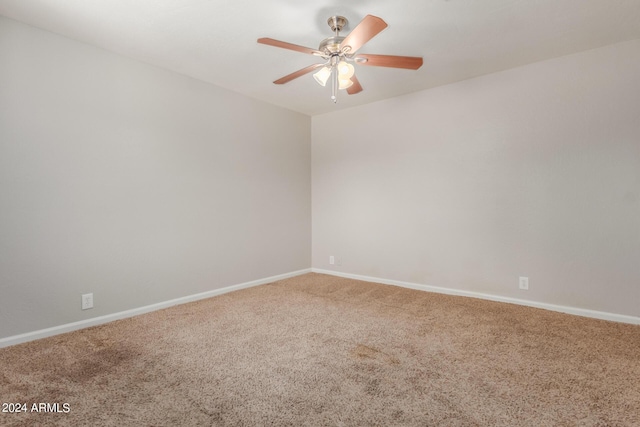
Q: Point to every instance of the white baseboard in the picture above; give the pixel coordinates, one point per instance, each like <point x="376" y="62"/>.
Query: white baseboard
<point x="69" y="327"/>
<point x="561" y="308"/>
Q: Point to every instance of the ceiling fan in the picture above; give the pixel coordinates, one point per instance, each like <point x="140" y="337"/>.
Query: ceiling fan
<point x="340" y="53"/>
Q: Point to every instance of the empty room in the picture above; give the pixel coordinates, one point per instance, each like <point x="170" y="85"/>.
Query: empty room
<point x="285" y="213"/>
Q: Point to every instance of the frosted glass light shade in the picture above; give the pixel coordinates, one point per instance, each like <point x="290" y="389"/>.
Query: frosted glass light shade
<point x="322" y="76"/>
<point x="345" y="70"/>
<point x="344" y="83"/>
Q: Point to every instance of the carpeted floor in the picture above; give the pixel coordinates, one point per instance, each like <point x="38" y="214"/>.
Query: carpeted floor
<point x="318" y="350"/>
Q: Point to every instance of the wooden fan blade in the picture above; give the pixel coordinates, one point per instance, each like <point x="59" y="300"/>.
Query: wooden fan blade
<point x="290" y="46"/>
<point x="367" y="29"/>
<point x="408" y="62"/>
<point x="295" y="75"/>
<point x="355" y="87"/>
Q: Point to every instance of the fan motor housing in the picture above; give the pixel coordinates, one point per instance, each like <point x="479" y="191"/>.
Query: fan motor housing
<point x="331" y="45"/>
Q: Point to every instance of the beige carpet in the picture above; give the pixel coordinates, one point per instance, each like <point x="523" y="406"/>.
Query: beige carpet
<point x="317" y="350"/>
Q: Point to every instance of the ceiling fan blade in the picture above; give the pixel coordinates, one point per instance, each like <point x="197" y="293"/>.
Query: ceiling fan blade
<point x="355" y="87"/>
<point x="299" y="73"/>
<point x="290" y="46"/>
<point x="367" y="29"/>
<point x="408" y="62"/>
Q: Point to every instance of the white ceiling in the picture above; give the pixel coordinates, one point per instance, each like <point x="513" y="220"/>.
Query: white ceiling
<point x="215" y="40"/>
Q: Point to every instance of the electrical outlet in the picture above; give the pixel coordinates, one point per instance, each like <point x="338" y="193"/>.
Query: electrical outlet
<point x="338" y="261"/>
<point x="332" y="260"/>
<point x="524" y="283"/>
<point x="87" y="301"/>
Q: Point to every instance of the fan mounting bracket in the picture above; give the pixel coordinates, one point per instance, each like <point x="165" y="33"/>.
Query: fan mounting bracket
<point x="336" y="23"/>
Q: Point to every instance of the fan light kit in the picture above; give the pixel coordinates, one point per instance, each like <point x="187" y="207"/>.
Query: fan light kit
<point x="339" y="54"/>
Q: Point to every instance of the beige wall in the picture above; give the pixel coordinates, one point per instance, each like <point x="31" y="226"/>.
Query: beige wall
<point x="136" y="184"/>
<point x="534" y="172"/>
<point x="141" y="185"/>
